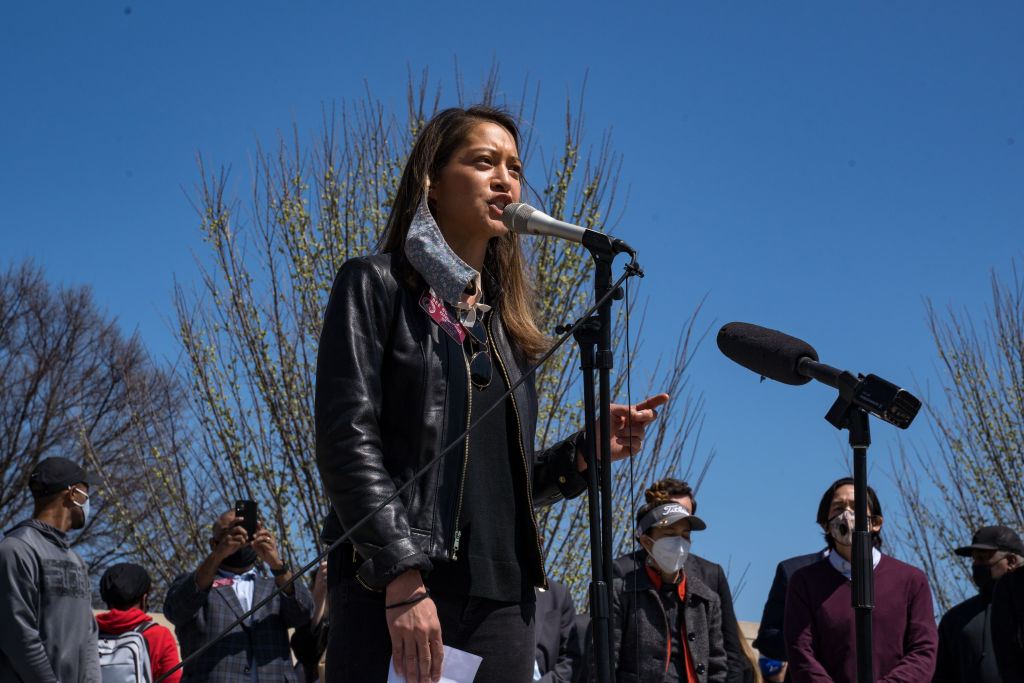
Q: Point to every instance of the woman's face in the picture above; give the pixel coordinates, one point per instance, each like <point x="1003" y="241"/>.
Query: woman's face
<point x="480" y="179"/>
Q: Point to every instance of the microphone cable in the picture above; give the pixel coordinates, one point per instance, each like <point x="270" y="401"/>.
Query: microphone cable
<point x="632" y="493"/>
<point x="631" y="269"/>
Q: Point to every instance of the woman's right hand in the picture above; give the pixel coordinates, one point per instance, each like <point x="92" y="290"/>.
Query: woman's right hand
<point x="415" y="630"/>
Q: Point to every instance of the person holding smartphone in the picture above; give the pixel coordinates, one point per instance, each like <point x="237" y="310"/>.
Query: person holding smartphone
<point x="224" y="587"/>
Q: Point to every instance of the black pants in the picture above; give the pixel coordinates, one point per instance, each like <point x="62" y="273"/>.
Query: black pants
<point x="359" y="646"/>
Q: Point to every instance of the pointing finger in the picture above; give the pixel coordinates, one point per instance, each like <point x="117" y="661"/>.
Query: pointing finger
<point x="653" y="402"/>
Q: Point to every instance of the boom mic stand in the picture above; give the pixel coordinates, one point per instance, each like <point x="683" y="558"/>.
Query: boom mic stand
<point x="786" y="359"/>
<point x="593" y="336"/>
<point x="860" y="396"/>
<point x="844" y="414"/>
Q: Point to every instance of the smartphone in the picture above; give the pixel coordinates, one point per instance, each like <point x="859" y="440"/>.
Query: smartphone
<point x="247" y="510"/>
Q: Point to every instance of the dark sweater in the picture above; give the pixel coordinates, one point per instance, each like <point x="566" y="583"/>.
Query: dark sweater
<point x="819" y="624"/>
<point x="769" y="641"/>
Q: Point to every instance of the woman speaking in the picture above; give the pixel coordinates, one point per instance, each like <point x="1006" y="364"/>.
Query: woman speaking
<point x="418" y="342"/>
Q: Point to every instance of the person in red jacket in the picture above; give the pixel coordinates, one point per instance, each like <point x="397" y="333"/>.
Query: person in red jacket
<point x="125" y="588"/>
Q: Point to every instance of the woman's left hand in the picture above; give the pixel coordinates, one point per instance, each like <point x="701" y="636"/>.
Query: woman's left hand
<point x="628" y="425"/>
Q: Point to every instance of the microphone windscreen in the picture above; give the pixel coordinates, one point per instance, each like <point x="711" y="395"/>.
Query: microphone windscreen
<point x="769" y="353"/>
<point x="515" y="216"/>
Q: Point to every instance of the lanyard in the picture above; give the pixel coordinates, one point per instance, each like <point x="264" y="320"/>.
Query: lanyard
<point x="438" y="312"/>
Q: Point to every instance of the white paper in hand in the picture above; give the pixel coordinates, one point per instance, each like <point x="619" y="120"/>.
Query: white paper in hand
<point x="459" y="667"/>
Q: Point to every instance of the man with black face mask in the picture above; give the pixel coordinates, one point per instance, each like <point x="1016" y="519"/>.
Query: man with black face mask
<point x="202" y="603"/>
<point x="819" y="620"/>
<point x="965" y="642"/>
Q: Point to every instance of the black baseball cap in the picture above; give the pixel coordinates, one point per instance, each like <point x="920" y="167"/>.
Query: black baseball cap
<point x="124" y="584"/>
<point x="993" y="538"/>
<point x="56" y="474"/>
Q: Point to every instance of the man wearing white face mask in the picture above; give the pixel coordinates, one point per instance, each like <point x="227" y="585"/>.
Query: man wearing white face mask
<point x="667" y="625"/>
<point x="819" y="622"/>
<point x="49" y="633"/>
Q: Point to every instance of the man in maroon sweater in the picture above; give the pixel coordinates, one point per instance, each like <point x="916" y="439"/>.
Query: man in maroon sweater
<point x="819" y="622"/>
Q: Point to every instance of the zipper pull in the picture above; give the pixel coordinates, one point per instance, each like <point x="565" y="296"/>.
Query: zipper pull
<point x="455" y="547"/>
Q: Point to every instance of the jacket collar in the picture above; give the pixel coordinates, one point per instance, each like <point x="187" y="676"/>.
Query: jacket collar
<point x="639" y="580"/>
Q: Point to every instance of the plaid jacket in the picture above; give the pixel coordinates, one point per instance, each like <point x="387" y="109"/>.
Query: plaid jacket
<point x="261" y="644"/>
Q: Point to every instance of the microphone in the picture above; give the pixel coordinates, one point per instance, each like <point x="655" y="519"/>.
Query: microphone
<point x="524" y="219"/>
<point x="769" y="353"/>
<point x="789" y="360"/>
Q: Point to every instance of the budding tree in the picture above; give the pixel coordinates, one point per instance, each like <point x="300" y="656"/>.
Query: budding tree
<point x="249" y="328"/>
<point x="972" y="474"/>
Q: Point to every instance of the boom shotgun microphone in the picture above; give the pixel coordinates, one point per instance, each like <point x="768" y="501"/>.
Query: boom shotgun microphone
<point x="526" y="220"/>
<point x="769" y="353"/>
<point x="789" y="360"/>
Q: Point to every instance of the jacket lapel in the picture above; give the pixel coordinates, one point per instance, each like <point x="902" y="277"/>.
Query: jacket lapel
<point x="694" y="586"/>
<point x="637" y="581"/>
<point x="262" y="588"/>
<point x="227" y="594"/>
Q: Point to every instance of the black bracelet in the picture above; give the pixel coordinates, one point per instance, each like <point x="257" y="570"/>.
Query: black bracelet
<point x="280" y="572"/>
<point x="411" y="601"/>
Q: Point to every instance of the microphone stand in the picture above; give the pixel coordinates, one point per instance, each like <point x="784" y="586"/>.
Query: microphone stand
<point x="594" y="338"/>
<point x="845" y="415"/>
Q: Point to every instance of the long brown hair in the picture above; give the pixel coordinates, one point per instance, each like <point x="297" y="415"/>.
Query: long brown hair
<point x="434" y="147"/>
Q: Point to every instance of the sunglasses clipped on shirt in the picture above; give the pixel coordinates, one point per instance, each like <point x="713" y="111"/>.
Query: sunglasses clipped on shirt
<point x="480" y="355"/>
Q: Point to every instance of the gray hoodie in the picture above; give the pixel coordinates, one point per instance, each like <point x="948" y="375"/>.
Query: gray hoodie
<point x="47" y="630"/>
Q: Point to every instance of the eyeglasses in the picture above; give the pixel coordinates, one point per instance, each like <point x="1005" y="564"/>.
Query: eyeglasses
<point x="480" y="358"/>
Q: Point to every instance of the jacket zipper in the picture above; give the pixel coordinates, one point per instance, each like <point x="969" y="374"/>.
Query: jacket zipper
<point x="522" y="452"/>
<point x="465" y="459"/>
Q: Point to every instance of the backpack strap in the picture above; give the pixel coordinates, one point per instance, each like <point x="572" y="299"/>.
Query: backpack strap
<point x="143" y="626"/>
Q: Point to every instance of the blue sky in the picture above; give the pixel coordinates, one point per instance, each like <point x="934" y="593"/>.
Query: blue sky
<point x="818" y="168"/>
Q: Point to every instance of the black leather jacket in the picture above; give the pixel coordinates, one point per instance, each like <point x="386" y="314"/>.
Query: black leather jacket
<point x="392" y="391"/>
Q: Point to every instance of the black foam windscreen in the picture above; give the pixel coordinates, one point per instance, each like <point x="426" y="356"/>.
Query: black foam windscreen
<point x="767" y="352"/>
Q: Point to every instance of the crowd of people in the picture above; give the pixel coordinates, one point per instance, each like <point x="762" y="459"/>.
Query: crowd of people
<point x="425" y="419"/>
<point x="672" y="614"/>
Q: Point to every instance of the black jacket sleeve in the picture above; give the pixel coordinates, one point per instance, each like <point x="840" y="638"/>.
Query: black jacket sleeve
<point x="347" y="414"/>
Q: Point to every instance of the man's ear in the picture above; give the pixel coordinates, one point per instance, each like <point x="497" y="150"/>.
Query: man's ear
<point x="876" y="522"/>
<point x="1012" y="560"/>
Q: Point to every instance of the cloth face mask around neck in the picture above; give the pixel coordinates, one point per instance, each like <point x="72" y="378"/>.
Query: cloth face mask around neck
<point x="429" y="253"/>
